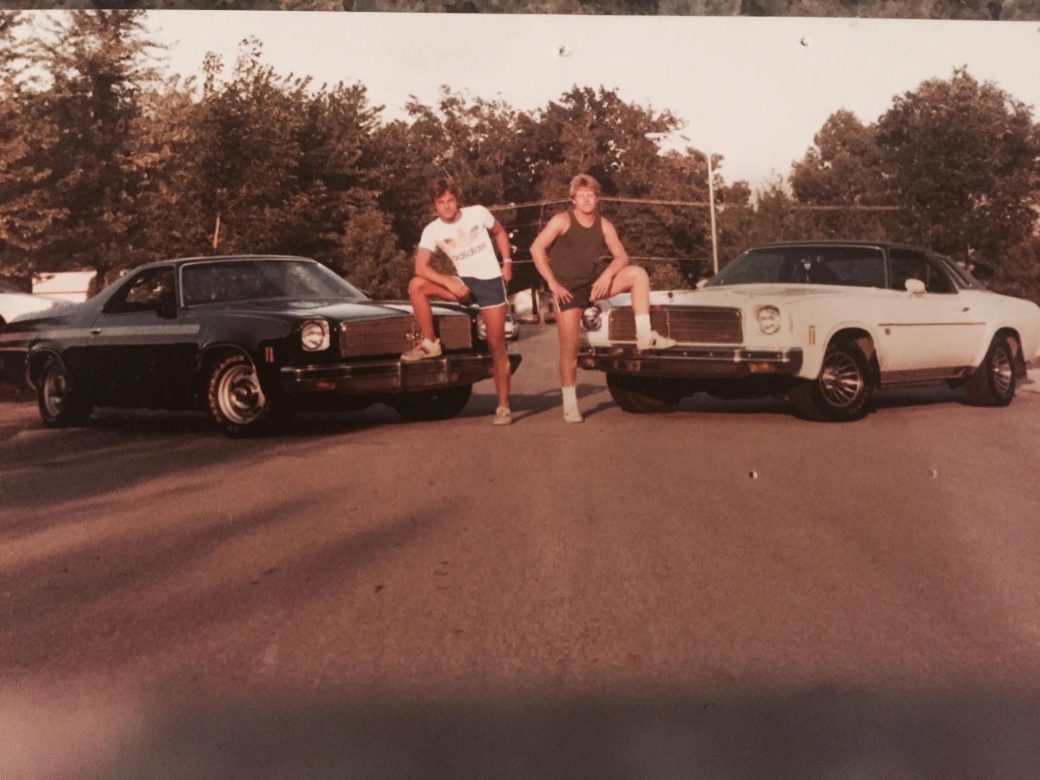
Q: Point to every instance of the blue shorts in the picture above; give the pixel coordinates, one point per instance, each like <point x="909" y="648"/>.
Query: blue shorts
<point x="486" y="293"/>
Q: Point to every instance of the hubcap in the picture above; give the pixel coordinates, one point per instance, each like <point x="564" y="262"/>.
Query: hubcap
<point x="239" y="395"/>
<point x="55" y="388"/>
<point x="841" y="381"/>
<point x="1002" y="371"/>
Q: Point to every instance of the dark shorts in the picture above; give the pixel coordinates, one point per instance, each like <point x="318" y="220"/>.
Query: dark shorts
<point x="486" y="293"/>
<point x="580" y="292"/>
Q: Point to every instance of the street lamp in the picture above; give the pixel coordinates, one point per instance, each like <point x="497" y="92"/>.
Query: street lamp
<point x="711" y="192"/>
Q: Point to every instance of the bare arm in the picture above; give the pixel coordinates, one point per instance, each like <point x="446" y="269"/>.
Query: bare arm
<point x="601" y="287"/>
<point x="540" y="253"/>
<point x="504" y="249"/>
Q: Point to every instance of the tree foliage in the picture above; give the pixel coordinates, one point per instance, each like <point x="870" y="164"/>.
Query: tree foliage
<point x="962" y="158"/>
<point x="104" y="165"/>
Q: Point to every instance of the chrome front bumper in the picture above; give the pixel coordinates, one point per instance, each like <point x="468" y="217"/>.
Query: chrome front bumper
<point x="694" y="363"/>
<point x="389" y="376"/>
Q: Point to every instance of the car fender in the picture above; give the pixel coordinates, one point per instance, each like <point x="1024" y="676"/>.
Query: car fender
<point x="1005" y="313"/>
<point x="36" y="358"/>
<point x="815" y="346"/>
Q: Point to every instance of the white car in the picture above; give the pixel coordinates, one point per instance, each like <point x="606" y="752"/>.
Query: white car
<point x="14" y="303"/>
<point x="512" y="329"/>
<point x="826" y="323"/>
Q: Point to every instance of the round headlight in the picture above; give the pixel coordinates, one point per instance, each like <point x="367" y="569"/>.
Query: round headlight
<point x="481" y="327"/>
<point x="768" y="319"/>
<point x="314" y="335"/>
<point x="591" y="318"/>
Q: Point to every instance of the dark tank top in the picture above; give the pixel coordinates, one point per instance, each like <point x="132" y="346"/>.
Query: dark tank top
<point x="576" y="254"/>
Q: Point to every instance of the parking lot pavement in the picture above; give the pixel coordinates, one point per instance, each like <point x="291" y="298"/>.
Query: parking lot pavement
<point x="1032" y="382"/>
<point x="18" y="407"/>
<point x="17" y="411"/>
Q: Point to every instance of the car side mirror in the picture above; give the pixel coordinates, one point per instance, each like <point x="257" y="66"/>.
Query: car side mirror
<point x="167" y="307"/>
<point x="914" y="286"/>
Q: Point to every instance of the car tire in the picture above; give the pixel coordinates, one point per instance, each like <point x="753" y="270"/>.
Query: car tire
<point x="994" y="381"/>
<point x="842" y="391"/>
<point x="238" y="403"/>
<point x="432" y="404"/>
<point x="643" y="395"/>
<point x="61" y="404"/>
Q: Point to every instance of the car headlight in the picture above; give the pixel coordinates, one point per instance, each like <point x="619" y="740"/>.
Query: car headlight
<point x="592" y="318"/>
<point x="314" y="335"/>
<point x="768" y="319"/>
<point x="481" y="327"/>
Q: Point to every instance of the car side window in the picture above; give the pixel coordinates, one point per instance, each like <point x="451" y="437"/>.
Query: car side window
<point x="144" y="292"/>
<point x="907" y="264"/>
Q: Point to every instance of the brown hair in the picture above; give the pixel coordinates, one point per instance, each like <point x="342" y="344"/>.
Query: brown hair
<point x="584" y="180"/>
<point x="442" y="186"/>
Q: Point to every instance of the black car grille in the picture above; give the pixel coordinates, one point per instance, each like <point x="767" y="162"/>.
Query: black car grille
<point x="393" y="335"/>
<point x="688" y="324"/>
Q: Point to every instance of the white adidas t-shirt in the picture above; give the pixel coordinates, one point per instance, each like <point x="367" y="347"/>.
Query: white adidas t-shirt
<point x="466" y="241"/>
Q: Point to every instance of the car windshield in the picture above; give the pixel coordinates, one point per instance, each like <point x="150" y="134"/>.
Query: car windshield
<point x="257" y="280"/>
<point x="856" y="266"/>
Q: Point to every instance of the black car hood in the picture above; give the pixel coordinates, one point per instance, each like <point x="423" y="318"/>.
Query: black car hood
<point x="331" y="309"/>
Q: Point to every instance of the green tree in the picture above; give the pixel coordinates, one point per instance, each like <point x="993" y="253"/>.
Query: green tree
<point x="369" y="257"/>
<point x="962" y="158"/>
<point x="98" y="64"/>
<point x="25" y="134"/>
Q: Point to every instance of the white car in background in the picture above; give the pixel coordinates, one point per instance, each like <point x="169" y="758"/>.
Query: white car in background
<point x="14" y="303"/>
<point x="826" y="323"/>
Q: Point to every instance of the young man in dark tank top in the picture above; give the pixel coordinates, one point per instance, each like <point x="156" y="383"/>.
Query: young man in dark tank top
<point x="577" y="239"/>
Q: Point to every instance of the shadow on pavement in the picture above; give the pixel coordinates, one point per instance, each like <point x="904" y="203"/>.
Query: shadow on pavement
<point x="821" y="732"/>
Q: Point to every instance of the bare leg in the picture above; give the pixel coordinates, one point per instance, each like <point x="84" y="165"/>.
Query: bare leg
<point x="420" y="291"/>
<point x="568" y="323"/>
<point x="495" y="323"/>
<point x="633" y="278"/>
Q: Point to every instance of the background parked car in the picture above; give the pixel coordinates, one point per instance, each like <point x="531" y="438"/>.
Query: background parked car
<point x="827" y="323"/>
<point x="15" y="302"/>
<point x="250" y="338"/>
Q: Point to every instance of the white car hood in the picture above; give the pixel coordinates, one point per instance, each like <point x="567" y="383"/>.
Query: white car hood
<point x="743" y="295"/>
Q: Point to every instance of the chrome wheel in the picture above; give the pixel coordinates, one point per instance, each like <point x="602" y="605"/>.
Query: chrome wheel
<point x="1002" y="371"/>
<point x="60" y="400"/>
<point x="239" y="395"/>
<point x="841" y="380"/>
<point x="55" y="391"/>
<point x="993" y="383"/>
<point x="843" y="389"/>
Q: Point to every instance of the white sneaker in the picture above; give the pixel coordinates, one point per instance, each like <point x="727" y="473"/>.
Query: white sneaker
<point x="423" y="349"/>
<point x="572" y="415"/>
<point x="654" y="340"/>
<point x="502" y="416"/>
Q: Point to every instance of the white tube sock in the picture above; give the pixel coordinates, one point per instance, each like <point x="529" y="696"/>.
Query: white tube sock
<point x="642" y="326"/>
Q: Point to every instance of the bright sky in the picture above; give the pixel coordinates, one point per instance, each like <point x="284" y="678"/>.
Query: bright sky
<point x="754" y="90"/>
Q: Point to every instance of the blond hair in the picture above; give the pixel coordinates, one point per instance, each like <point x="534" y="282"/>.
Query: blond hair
<point x="583" y="180"/>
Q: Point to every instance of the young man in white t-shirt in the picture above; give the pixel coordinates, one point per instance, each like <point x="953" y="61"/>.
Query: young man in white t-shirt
<point x="464" y="235"/>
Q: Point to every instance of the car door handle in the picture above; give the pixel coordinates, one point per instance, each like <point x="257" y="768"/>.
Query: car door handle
<point x="95" y="331"/>
<point x="966" y="308"/>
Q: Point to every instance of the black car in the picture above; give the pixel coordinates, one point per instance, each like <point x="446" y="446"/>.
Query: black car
<point x="251" y="338"/>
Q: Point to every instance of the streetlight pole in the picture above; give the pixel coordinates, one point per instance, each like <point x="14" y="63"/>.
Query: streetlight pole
<point x="711" y="208"/>
<point x="711" y="194"/>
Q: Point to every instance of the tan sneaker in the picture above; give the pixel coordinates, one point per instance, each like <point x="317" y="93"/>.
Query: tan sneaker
<point x="654" y="341"/>
<point x="423" y="349"/>
<point x="572" y="416"/>
<point x="503" y="416"/>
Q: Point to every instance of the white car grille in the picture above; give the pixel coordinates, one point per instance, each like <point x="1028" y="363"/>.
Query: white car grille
<point x="686" y="324"/>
